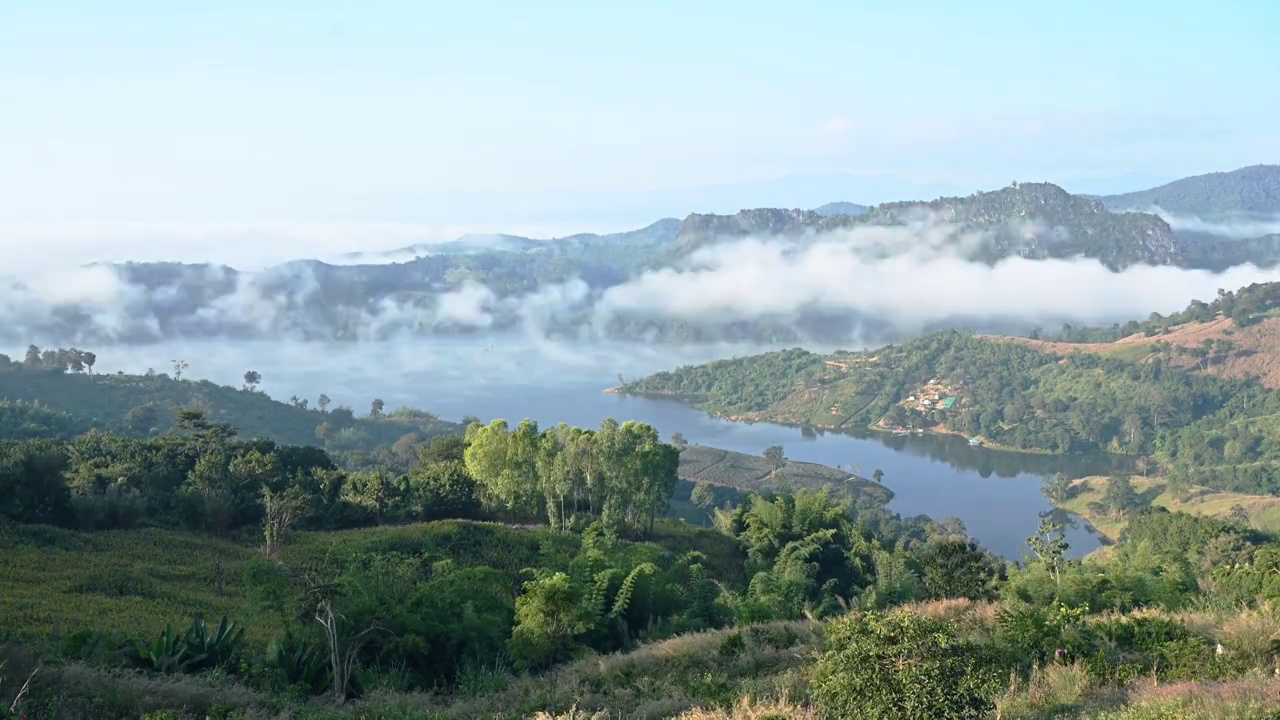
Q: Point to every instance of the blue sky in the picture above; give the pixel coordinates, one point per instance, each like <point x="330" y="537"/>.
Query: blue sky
<point x="466" y="113"/>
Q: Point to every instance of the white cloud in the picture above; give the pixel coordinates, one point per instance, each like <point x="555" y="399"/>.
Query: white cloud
<point x="910" y="276"/>
<point x="1237" y="228"/>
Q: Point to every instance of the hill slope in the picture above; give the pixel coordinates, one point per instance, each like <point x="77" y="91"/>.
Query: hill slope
<point x="1248" y="191"/>
<point x="1034" y="220"/>
<point x="598" y="286"/>
<point x="749" y="473"/>
<point x="841" y="208"/>
<point x="140" y="405"/>
<point x="1236" y="335"/>
<point x="1005" y="392"/>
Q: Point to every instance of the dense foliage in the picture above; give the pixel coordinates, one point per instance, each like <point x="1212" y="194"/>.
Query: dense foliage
<point x="903" y="667"/>
<point x="1007" y="393"/>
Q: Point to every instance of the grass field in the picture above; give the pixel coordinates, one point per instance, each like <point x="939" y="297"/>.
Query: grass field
<point x="1263" y="510"/>
<point x="57" y="582"/>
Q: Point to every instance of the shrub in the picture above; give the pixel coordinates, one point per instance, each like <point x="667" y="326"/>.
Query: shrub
<point x="901" y="666"/>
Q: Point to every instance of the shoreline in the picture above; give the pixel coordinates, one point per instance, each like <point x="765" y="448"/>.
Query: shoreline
<point x="872" y="428"/>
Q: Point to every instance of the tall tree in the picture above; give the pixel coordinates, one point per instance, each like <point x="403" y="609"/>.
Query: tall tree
<point x="1050" y="547"/>
<point x="1057" y="488"/>
<point x="251" y="380"/>
<point x="555" y="474"/>
<point x="775" y="456"/>
<point x="1120" y="495"/>
<point x="279" y="512"/>
<point x="703" y="496"/>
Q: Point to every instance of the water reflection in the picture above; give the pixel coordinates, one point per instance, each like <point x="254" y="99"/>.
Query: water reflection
<point x="996" y="494"/>
<point x="957" y="453"/>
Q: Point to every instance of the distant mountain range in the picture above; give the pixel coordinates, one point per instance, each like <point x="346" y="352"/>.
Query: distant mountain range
<point x="1250" y="192"/>
<point x="620" y="285"/>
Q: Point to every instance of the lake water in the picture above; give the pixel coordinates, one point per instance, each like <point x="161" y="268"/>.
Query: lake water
<point x="996" y="494"/>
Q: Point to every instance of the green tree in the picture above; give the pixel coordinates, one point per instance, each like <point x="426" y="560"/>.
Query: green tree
<point x="556" y="475"/>
<point x="442" y="490"/>
<point x="372" y="489"/>
<point x="376" y="407"/>
<point x="252" y="378"/>
<point x="1179" y="485"/>
<point x="279" y="512"/>
<point x="142" y="419"/>
<point x="954" y="568"/>
<point x="550" y="616"/>
<point x="1239" y="515"/>
<point x="325" y="433"/>
<point x="903" y="666"/>
<point x="1050" y="546"/>
<point x="878" y="475"/>
<point x="775" y="456"/>
<point x="703" y="496"/>
<point x="1057" y="488"/>
<point x="322" y="402"/>
<point x="1119" y="494"/>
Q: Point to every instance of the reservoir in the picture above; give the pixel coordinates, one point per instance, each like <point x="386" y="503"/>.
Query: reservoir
<point x="996" y="494"/>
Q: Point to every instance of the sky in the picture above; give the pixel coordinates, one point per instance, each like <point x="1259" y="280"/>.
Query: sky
<point x="144" y="128"/>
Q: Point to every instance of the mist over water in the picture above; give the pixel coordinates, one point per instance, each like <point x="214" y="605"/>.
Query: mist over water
<point x="997" y="495"/>
<point x="861" y="284"/>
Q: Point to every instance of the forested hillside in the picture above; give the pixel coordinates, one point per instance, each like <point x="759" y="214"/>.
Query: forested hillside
<point x="1221" y="432"/>
<point x="1248" y="191"/>
<point x="1033" y="220"/>
<point x="53" y="393"/>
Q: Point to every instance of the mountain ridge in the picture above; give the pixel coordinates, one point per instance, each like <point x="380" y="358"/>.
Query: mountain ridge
<point x="1251" y="191"/>
<point x="564" y="288"/>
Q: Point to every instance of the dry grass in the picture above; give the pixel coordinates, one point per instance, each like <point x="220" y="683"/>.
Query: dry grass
<point x="1249" y="699"/>
<point x="664" y="679"/>
<point x="1256" y="345"/>
<point x="745" y="709"/>
<point x="959" y="610"/>
<point x="1249" y="634"/>
<point x="1051" y="689"/>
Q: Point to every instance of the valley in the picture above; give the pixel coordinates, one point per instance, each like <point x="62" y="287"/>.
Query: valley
<point x="817" y="361"/>
<point x="467" y="526"/>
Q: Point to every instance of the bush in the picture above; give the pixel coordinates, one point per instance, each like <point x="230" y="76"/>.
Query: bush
<point x="902" y="666"/>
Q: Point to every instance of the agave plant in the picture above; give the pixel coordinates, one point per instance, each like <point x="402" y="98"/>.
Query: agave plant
<point x="166" y="654"/>
<point x="214" y="649"/>
<point x="298" y="662"/>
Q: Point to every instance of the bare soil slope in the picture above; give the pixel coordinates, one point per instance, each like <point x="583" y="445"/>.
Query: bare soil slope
<point x="1254" y="351"/>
